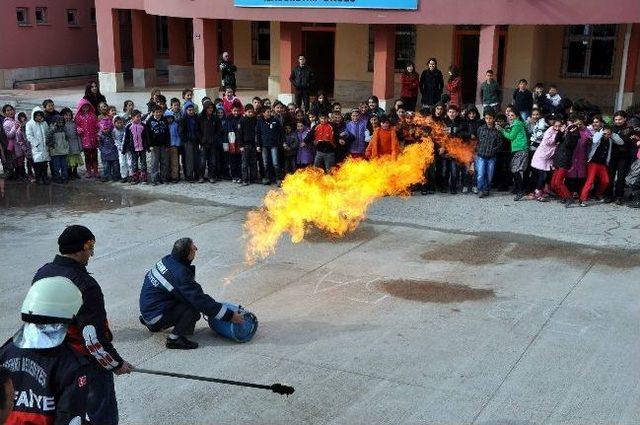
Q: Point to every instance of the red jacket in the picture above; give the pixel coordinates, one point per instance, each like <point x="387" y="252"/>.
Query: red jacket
<point x="410" y="84"/>
<point x="454" y="87"/>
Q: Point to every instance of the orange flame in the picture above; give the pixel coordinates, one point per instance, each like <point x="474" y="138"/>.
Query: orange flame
<point x="336" y="202"/>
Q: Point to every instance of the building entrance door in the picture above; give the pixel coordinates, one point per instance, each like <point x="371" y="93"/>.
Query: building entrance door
<point x="318" y="45"/>
<point x="468" y="51"/>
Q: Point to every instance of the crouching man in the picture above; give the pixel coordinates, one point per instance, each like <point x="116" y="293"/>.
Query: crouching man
<point x="171" y="297"/>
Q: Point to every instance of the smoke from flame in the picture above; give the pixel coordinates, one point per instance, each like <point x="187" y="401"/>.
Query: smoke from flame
<point x="336" y="202"/>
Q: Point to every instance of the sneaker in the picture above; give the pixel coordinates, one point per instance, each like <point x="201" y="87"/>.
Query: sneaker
<point x="482" y="194"/>
<point x="266" y="182"/>
<point x="465" y="189"/>
<point x="201" y="180"/>
<point x="244" y="184"/>
<point x="568" y="202"/>
<point x="583" y="204"/>
<point x="474" y="190"/>
<point x="181" y="343"/>
<point x="518" y="196"/>
<point x="212" y="181"/>
<point x="619" y="201"/>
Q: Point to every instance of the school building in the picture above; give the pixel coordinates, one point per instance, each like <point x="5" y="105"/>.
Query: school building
<point x="47" y="40"/>
<point x="589" y="48"/>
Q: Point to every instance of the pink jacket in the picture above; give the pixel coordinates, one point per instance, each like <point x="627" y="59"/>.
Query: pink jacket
<point x="11" y="128"/>
<point x="543" y="157"/>
<point x="87" y="125"/>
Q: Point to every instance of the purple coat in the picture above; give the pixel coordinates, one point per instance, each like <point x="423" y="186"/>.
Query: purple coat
<point x="306" y="154"/>
<point x="357" y="130"/>
<point x="578" y="168"/>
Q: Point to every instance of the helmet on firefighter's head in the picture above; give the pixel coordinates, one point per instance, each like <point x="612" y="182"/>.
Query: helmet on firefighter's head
<point x="51" y="300"/>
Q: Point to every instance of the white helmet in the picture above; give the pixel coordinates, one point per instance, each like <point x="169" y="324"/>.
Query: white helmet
<point x="51" y="300"/>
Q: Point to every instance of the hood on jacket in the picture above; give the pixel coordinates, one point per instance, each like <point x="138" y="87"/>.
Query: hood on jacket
<point x="35" y="110"/>
<point x="83" y="102"/>
<point x="187" y="104"/>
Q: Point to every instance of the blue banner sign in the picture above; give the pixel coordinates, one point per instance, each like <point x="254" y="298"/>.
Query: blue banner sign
<point x="332" y="4"/>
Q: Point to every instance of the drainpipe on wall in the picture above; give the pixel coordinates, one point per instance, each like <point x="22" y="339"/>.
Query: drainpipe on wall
<point x="623" y="71"/>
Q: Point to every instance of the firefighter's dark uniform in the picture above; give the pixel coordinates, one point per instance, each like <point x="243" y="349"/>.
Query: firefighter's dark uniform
<point x="50" y="384"/>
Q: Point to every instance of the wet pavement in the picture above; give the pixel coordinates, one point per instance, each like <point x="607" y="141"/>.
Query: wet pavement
<point x="428" y="313"/>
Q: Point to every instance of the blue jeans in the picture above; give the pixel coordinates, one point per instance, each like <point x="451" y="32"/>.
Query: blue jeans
<point x="59" y="168"/>
<point x="102" y="406"/>
<point x="270" y="159"/>
<point x="110" y="169"/>
<point x="484" y="172"/>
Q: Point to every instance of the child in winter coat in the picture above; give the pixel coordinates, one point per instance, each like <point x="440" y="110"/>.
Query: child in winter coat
<point x="384" y="141"/>
<point x="515" y="132"/>
<point x="290" y="147"/>
<point x="159" y="140"/>
<point x="50" y="113"/>
<point x="231" y="137"/>
<point x="189" y="127"/>
<point x="542" y="160"/>
<point x="11" y="127"/>
<point x="108" y="153"/>
<point x="23" y="154"/>
<point x="135" y="142"/>
<point x="36" y="132"/>
<point x="598" y="162"/>
<point x="324" y="140"/>
<point x="269" y="139"/>
<point x="454" y="87"/>
<point x="74" y="158"/>
<point x="246" y="138"/>
<point x="173" y="116"/>
<point x="124" y="158"/>
<point x="87" y="129"/>
<point x="357" y="127"/>
<point x="127" y="109"/>
<point x="306" y="151"/>
<point x="58" y="150"/>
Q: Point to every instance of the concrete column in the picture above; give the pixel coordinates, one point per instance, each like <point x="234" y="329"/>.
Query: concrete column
<point x="487" y="55"/>
<point x="383" y="64"/>
<point x="144" y="49"/>
<point x="180" y="71"/>
<point x="290" y="48"/>
<point x="632" y="67"/>
<point x="205" y="55"/>
<point x="110" y="76"/>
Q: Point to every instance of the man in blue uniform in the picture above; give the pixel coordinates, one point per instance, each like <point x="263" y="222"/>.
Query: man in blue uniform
<point x="171" y="297"/>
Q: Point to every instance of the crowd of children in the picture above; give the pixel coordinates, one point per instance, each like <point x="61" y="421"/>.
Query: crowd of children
<point x="540" y="146"/>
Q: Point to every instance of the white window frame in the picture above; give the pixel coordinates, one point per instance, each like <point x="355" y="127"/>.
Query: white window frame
<point x="76" y="21"/>
<point x="44" y="12"/>
<point x="25" y="11"/>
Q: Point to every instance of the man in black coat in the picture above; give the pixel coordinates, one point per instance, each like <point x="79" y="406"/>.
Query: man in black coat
<point x="228" y="72"/>
<point x="89" y="334"/>
<point x="302" y="78"/>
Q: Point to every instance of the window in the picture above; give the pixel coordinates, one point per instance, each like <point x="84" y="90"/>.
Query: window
<point x="588" y="51"/>
<point x="261" y="42"/>
<point x="162" y="34"/>
<point x="22" y="15"/>
<point x="72" y="17"/>
<point x="405" y="46"/>
<point x="92" y="14"/>
<point x="41" y="15"/>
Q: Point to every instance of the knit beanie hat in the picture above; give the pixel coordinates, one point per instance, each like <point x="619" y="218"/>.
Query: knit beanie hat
<point x="73" y="238"/>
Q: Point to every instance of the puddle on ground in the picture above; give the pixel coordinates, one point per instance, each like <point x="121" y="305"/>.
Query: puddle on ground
<point x="486" y="249"/>
<point x="361" y="233"/>
<point x="427" y="291"/>
<point x="75" y="197"/>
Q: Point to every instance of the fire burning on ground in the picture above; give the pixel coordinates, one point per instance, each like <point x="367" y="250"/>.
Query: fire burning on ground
<point x="336" y="202"/>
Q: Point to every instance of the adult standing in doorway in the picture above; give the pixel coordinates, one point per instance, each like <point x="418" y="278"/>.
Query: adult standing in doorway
<point x="89" y="334"/>
<point x="228" y="72"/>
<point x="431" y="84"/>
<point x="93" y="95"/>
<point x="302" y="78"/>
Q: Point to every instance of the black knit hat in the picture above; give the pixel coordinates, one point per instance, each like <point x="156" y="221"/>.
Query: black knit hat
<point x="73" y="238"/>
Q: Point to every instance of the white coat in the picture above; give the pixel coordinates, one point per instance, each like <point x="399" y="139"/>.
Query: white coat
<point x="36" y="133"/>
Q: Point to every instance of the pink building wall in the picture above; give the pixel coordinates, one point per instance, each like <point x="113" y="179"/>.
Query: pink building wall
<point x="443" y="12"/>
<point x="51" y="44"/>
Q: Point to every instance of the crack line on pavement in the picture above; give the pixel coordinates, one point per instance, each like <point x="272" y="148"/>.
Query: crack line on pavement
<point x="531" y="342"/>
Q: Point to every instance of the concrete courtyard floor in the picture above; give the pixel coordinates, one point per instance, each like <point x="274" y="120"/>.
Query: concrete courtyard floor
<point x="436" y="310"/>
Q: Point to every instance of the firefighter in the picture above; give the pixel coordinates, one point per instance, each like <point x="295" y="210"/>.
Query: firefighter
<point x="49" y="378"/>
<point x="89" y="334"/>
<point x="171" y="297"/>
